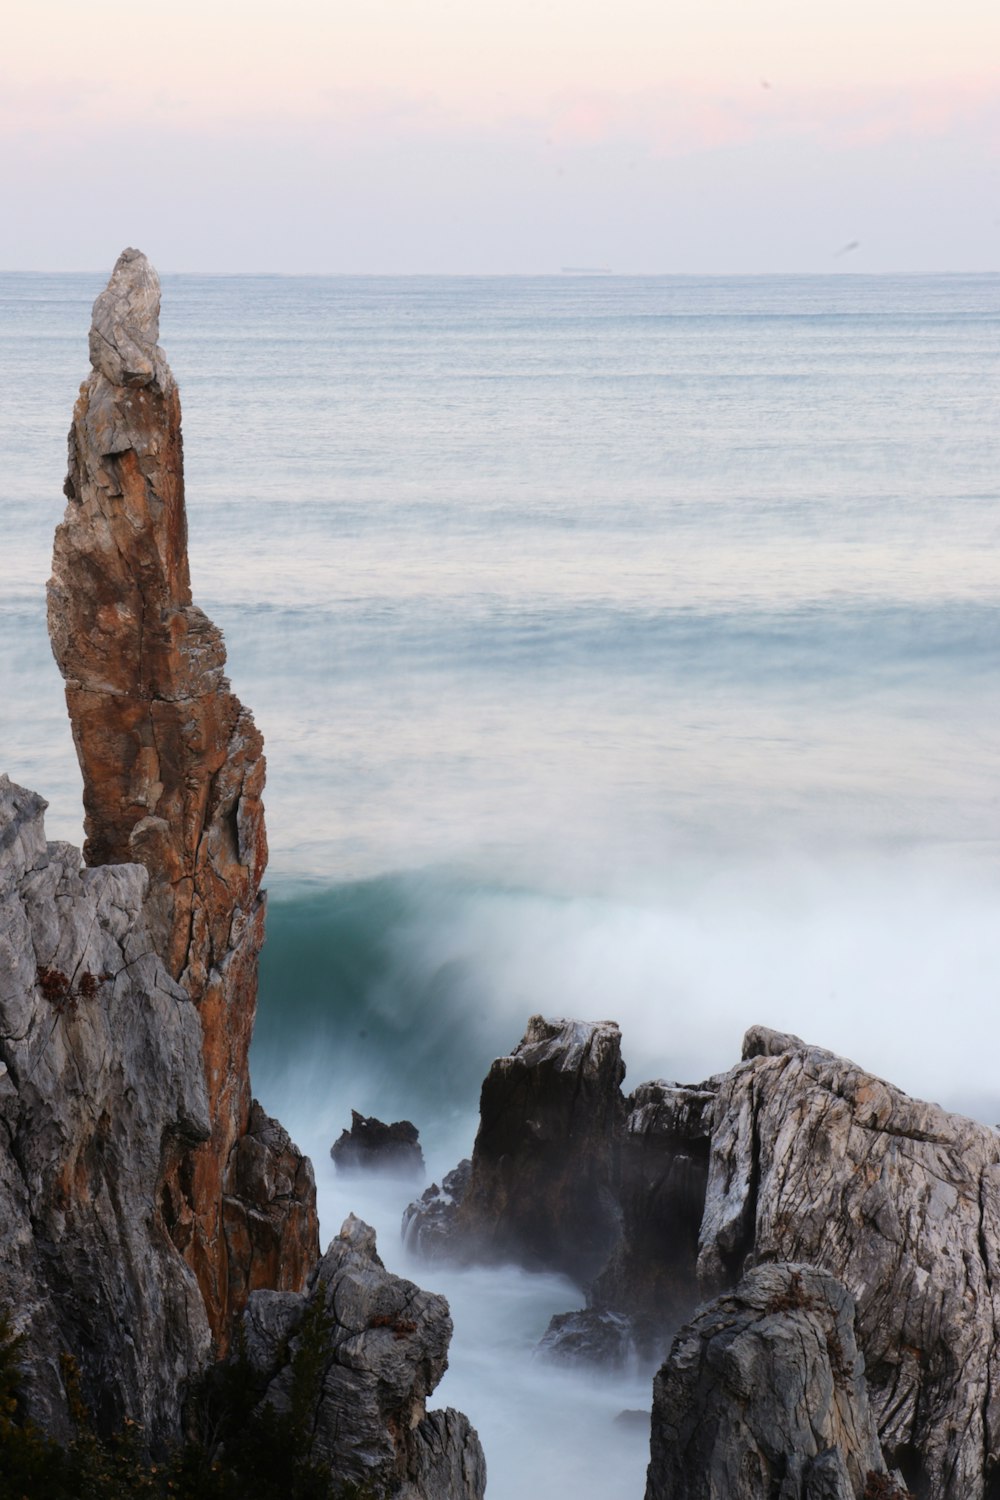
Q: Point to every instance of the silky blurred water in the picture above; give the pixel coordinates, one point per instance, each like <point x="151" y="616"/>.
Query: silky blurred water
<point x="622" y="647"/>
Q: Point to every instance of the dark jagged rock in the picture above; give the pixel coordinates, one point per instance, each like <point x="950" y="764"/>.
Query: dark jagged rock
<point x="383" y="1346"/>
<point x="649" y="1285"/>
<point x="793" y="1155"/>
<point x="763" y="1398"/>
<point x="173" y="765"/>
<point x="569" y="1175"/>
<point x="373" y="1146"/>
<point x="662" y="1176"/>
<point x="540" y="1189"/>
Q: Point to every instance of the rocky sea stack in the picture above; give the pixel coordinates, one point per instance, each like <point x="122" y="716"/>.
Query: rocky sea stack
<point x="147" y="1203"/>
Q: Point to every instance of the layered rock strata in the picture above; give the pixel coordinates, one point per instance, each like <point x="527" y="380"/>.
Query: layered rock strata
<point x="813" y="1159"/>
<point x="384" y="1346"/>
<point x="764" y="1396"/>
<point x="173" y="772"/>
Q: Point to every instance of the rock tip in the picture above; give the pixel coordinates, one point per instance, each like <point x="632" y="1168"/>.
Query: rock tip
<point x="125" y="324"/>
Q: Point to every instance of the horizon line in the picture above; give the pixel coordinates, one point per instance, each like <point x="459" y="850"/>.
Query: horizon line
<point x="596" y="275"/>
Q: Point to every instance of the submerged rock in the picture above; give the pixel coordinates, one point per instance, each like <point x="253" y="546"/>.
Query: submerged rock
<point x="381" y="1344"/>
<point x="173" y="765"/>
<point x="763" y="1398"/>
<point x="373" y="1146"/>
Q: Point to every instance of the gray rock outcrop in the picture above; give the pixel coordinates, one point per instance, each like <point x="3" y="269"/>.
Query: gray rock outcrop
<point x="763" y="1397"/>
<point x="383" y="1349"/>
<point x="813" y="1159"/>
<point x="100" y="1081"/>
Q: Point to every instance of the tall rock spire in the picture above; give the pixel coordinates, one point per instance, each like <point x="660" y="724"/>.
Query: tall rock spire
<point x="173" y="771"/>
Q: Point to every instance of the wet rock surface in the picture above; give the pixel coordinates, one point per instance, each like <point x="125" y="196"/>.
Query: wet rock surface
<point x="373" y="1146"/>
<point x="764" y="1396"/>
<point x="429" y="1224"/>
<point x="382" y="1349"/>
<point x="651" y="1275"/>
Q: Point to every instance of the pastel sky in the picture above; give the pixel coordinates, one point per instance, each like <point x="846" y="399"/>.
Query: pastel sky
<point x="470" y="135"/>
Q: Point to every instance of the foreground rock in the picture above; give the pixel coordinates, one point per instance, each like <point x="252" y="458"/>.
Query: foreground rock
<point x="373" y="1146"/>
<point x="101" y="1082"/>
<point x="172" y="763"/>
<point x="381" y="1348"/>
<point x="764" y="1396"/>
<point x="814" y="1159"/>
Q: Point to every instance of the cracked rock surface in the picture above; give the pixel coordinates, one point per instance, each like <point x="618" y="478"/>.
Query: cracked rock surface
<point x="794" y="1155"/>
<point x="813" y="1159"/>
<point x="384" y="1346"/>
<point x="100" y="1083"/>
<point x="763" y="1397"/>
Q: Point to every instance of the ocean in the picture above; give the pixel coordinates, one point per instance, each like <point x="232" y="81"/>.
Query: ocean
<point x="623" y="647"/>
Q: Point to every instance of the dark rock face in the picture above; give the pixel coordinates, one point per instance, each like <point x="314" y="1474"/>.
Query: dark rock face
<point x="569" y="1175"/>
<point x="372" y="1146"/>
<point x="662" y="1176"/>
<point x="540" y="1185"/>
<point x="384" y="1349"/>
<point x="764" y="1396"/>
<point x="172" y="763"/>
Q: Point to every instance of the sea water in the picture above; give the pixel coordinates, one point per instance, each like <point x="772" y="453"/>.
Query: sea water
<point x="623" y="647"/>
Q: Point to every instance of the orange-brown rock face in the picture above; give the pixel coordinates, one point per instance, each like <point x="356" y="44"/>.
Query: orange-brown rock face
<point x="173" y="767"/>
